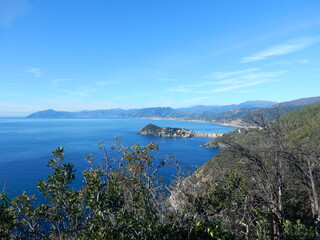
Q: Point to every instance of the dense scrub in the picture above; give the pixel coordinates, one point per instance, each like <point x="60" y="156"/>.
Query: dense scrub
<point x="122" y="199"/>
<point x="279" y="165"/>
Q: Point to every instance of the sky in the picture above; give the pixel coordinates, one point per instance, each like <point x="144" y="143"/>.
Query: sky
<point x="73" y="55"/>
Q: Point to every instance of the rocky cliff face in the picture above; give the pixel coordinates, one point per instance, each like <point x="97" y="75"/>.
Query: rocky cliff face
<point x="167" y="132"/>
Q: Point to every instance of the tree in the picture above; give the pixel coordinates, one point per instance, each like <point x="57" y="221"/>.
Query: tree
<point x="122" y="198"/>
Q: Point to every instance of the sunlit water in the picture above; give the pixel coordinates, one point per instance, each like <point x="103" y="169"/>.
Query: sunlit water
<point x="26" y="145"/>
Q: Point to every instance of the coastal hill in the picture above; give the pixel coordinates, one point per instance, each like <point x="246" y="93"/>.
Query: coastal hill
<point x="245" y="115"/>
<point x="234" y="114"/>
<point x="298" y="128"/>
<point x="271" y="170"/>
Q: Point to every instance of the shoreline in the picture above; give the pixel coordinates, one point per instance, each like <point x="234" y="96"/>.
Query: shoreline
<point x="156" y="118"/>
<point x="194" y="120"/>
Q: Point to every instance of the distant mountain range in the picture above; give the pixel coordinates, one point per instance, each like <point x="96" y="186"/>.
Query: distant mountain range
<point x="233" y="114"/>
<point x="223" y="108"/>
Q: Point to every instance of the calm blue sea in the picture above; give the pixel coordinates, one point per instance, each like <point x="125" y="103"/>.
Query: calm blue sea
<point x="26" y="145"/>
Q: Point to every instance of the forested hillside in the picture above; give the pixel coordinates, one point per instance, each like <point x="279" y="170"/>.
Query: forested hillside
<point x="272" y="178"/>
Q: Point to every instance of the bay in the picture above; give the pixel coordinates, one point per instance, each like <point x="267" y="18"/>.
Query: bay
<point x="26" y="145"/>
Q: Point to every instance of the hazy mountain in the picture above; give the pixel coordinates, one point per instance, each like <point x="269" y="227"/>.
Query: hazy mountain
<point x="95" y="113"/>
<point x="50" y="113"/>
<point x="143" y="112"/>
<point x="301" y="101"/>
<point x="256" y="104"/>
<point x="208" y="108"/>
<point x="161" y="112"/>
<point x="223" y="108"/>
<point x="244" y="116"/>
<point x="233" y="114"/>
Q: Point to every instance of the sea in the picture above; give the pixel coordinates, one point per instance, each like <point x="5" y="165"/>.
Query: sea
<point x="26" y="146"/>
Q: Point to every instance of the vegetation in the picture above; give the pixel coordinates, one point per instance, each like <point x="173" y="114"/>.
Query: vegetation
<point x="122" y="199"/>
<point x="277" y="166"/>
<point x="263" y="185"/>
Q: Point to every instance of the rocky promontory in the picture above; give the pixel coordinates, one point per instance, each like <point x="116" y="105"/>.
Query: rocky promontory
<point x="169" y="132"/>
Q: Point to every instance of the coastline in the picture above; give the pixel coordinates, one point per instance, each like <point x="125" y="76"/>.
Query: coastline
<point x="234" y="125"/>
<point x="194" y="120"/>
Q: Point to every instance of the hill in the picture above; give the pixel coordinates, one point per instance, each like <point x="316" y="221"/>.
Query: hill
<point x="245" y="117"/>
<point x="267" y="174"/>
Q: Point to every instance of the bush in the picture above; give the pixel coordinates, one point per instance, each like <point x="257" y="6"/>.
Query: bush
<point x="124" y="198"/>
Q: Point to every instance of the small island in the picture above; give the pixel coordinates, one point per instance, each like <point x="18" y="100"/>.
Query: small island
<point x="169" y="132"/>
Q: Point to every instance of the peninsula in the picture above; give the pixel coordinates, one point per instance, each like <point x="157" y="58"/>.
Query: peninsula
<point x="169" y="132"/>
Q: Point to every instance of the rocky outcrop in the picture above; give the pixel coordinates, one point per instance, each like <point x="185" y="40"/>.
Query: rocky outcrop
<point x="166" y="132"/>
<point x="169" y="132"/>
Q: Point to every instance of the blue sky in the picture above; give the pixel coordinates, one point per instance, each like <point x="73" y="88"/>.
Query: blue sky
<point x="78" y="54"/>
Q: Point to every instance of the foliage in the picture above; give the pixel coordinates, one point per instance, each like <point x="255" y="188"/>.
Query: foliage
<point x="282" y="162"/>
<point x="123" y="198"/>
<point x="298" y="231"/>
<point x="6" y="217"/>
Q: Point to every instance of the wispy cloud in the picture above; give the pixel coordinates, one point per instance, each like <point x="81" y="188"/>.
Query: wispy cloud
<point x="282" y="49"/>
<point x="10" y="10"/>
<point x="279" y="63"/>
<point x="219" y="75"/>
<point x="245" y="79"/>
<point x="227" y="81"/>
<point x="187" y="88"/>
<point x="238" y="86"/>
<point x="301" y="61"/>
<point x="36" y="72"/>
<point x="250" y="76"/>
